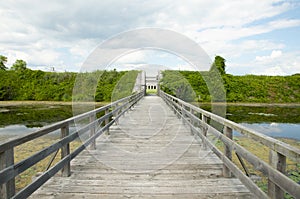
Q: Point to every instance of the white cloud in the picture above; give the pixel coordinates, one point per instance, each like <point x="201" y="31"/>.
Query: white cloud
<point x="273" y="71"/>
<point x="35" y="57"/>
<point x="229" y="33"/>
<point x="274" y="54"/>
<point x="65" y="32"/>
<point x="136" y="57"/>
<point x="282" y="63"/>
<point x="82" y="48"/>
<point x="150" y="58"/>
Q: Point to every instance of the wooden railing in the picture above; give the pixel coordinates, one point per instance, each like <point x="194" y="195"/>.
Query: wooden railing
<point x="9" y="169"/>
<point x="278" y="182"/>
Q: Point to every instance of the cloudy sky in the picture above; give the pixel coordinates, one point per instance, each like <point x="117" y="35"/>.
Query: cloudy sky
<point x="255" y="37"/>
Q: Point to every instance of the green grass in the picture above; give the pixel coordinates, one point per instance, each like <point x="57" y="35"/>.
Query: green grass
<point x="28" y="149"/>
<point x="151" y="91"/>
<point x="261" y="151"/>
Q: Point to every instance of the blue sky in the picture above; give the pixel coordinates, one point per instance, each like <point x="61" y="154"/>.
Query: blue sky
<point x="255" y="37"/>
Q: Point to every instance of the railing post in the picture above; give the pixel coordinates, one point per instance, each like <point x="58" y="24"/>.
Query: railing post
<point x="192" y="120"/>
<point x="131" y="102"/>
<point x="7" y="190"/>
<point x="116" y="113"/>
<point x="173" y="104"/>
<point x="182" y="107"/>
<point x="107" y="120"/>
<point x="227" y="152"/>
<point x="92" y="131"/>
<point x="65" y="150"/>
<point x="277" y="161"/>
<point x="205" y="120"/>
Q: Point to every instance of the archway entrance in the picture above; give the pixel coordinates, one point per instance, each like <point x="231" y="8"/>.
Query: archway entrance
<point x="151" y="84"/>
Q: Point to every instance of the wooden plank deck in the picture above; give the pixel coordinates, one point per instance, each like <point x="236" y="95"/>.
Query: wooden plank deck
<point x="150" y="153"/>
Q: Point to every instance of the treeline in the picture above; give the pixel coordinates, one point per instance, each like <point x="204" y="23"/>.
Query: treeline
<point x="215" y="84"/>
<point x="26" y="84"/>
<point x="191" y="86"/>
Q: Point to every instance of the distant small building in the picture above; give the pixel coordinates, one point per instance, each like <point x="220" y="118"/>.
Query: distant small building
<point x="151" y="82"/>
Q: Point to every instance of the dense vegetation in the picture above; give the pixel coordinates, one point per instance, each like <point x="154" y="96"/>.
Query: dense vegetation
<point x="21" y="83"/>
<point x="192" y="85"/>
<point x="26" y="84"/>
<point x="248" y="88"/>
<point x="252" y="88"/>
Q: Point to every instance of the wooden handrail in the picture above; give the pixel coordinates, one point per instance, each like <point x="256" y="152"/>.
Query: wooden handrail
<point x="9" y="170"/>
<point x="278" y="182"/>
<point x="48" y="129"/>
<point x="274" y="144"/>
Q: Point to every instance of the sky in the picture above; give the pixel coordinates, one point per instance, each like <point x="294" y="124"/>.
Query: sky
<point x="255" y="37"/>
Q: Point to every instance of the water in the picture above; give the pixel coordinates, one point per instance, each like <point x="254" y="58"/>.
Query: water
<point x="21" y="119"/>
<point x="283" y="130"/>
<point x="32" y="116"/>
<point x="275" y="121"/>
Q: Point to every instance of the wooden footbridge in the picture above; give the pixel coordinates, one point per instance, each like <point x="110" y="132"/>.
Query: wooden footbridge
<point x="148" y="147"/>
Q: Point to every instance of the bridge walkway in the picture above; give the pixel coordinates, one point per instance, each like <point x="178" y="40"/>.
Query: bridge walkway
<point x="149" y="153"/>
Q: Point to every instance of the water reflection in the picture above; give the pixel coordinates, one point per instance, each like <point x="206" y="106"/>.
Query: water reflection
<point x="275" y="121"/>
<point x="281" y="130"/>
<point x="34" y="115"/>
<point x="12" y="131"/>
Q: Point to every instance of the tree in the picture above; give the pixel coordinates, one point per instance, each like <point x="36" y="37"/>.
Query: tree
<point x="3" y="60"/>
<point x="19" y="65"/>
<point x="219" y="63"/>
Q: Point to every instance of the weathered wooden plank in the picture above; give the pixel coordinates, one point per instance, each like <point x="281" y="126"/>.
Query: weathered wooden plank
<point x="224" y="182"/>
<point x="192" y="190"/>
<point x="147" y="196"/>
